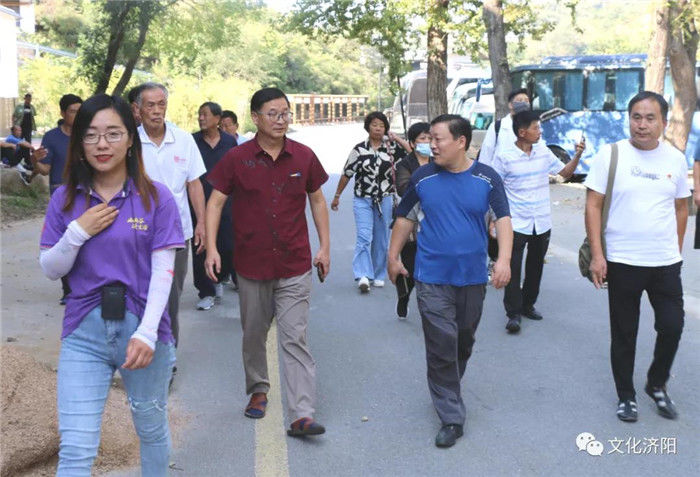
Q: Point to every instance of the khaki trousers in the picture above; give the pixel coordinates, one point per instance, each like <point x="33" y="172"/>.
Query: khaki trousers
<point x="179" y="274"/>
<point x="288" y="300"/>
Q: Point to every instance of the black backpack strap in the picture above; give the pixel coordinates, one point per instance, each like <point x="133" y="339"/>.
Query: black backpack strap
<point x="497" y="127"/>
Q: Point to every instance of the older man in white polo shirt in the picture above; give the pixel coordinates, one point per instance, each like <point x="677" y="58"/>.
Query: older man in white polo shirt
<point x="171" y="157"/>
<point x="525" y="166"/>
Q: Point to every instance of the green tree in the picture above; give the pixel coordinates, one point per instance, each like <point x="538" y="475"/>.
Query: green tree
<point x="126" y="24"/>
<point x="395" y="28"/>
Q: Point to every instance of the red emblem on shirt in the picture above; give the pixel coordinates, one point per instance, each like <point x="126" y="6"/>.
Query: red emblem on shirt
<point x="180" y="159"/>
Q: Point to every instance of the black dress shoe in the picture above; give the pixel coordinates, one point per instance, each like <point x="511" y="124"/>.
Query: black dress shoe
<point x="448" y="435"/>
<point x="664" y="405"/>
<point x="532" y="314"/>
<point x="513" y="325"/>
<point x="627" y="410"/>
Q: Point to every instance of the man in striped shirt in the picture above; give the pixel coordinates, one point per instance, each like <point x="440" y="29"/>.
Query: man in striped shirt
<point x="525" y="166"/>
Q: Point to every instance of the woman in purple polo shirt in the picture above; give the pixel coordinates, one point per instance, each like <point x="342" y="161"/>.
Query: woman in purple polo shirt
<point x="113" y="233"/>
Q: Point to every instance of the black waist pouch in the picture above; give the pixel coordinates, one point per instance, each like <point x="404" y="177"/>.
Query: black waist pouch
<point x="113" y="301"/>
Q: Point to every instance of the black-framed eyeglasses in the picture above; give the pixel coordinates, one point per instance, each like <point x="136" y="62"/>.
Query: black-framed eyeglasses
<point x="111" y="136"/>
<point x="275" y="116"/>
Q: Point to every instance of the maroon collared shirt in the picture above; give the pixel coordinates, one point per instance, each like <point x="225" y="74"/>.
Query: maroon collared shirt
<point x="271" y="237"/>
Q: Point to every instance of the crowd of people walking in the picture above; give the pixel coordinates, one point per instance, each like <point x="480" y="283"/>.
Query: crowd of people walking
<point x="125" y="180"/>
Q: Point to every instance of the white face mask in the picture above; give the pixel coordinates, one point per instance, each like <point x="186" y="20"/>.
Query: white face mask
<point x="423" y="148"/>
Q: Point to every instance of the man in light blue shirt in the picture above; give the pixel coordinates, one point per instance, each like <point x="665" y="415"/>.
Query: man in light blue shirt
<point x="525" y="166"/>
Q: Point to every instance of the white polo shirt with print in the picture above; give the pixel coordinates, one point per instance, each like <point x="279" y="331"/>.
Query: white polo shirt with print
<point x="174" y="163"/>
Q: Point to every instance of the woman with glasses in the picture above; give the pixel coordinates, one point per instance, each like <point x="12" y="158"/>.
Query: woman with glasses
<point x="419" y="141"/>
<point x="113" y="232"/>
<point x="373" y="163"/>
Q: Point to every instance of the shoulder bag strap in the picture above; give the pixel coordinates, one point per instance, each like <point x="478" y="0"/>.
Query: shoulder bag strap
<point x="608" y="194"/>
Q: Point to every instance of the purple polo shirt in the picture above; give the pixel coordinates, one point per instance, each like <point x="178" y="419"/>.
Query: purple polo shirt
<point x="271" y="238"/>
<point x="120" y="253"/>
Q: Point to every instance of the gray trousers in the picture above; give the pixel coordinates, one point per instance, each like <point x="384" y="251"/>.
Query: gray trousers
<point x="288" y="300"/>
<point x="179" y="273"/>
<point x="450" y="316"/>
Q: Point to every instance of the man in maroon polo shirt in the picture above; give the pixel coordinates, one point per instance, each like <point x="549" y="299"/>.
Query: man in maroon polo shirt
<point x="269" y="179"/>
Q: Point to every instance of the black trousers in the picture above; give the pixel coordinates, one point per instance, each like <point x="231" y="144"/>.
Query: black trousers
<point x="625" y="286"/>
<point x="202" y="283"/>
<point x="23" y="151"/>
<point x="12" y="155"/>
<point x="516" y="299"/>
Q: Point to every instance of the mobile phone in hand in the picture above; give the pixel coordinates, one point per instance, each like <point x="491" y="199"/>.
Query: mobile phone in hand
<point x="402" y="286"/>
<point x="319" y="270"/>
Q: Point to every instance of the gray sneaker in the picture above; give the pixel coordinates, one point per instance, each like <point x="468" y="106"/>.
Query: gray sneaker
<point x="205" y="303"/>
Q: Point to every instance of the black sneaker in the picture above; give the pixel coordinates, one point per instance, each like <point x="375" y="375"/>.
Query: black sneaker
<point x="532" y="314"/>
<point x="664" y="405"/>
<point x="448" y="435"/>
<point x="513" y="325"/>
<point x="26" y="178"/>
<point x="627" y="410"/>
<point x="402" y="308"/>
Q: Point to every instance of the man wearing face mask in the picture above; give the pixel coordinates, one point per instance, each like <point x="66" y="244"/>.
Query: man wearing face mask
<point x="501" y="132"/>
<point x="419" y="140"/>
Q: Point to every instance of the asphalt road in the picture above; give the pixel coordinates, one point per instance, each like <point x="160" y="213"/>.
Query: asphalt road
<point x="528" y="396"/>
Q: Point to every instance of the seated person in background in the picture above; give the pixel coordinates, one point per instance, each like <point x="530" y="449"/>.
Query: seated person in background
<point x="12" y="147"/>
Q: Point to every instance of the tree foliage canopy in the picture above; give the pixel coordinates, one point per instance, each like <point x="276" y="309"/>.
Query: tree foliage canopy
<point x="202" y="50"/>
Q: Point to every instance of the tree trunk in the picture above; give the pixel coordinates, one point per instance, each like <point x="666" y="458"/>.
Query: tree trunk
<point x="682" y="54"/>
<point x="133" y="57"/>
<point x="658" y="52"/>
<point x="498" y="54"/>
<point x="437" y="60"/>
<point x="116" y="36"/>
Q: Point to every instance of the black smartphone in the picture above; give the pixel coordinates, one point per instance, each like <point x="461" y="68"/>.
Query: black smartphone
<point x="113" y="301"/>
<point x="319" y="270"/>
<point x="402" y="286"/>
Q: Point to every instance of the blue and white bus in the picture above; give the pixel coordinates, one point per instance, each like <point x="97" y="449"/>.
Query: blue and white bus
<point x="588" y="95"/>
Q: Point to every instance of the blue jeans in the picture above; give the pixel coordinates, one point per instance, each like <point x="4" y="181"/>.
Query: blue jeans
<point x="372" y="238"/>
<point x="89" y="356"/>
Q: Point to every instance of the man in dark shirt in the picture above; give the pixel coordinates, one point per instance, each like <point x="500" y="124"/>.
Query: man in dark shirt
<point x="212" y="144"/>
<point x="24" y="116"/>
<point x="51" y="157"/>
<point x="269" y="179"/>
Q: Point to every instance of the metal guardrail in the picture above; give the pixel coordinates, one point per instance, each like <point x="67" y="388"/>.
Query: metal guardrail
<point x="327" y="108"/>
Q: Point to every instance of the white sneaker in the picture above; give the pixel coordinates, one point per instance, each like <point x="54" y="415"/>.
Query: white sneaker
<point x="378" y="283"/>
<point x="219" y="290"/>
<point x="363" y="284"/>
<point x="205" y="303"/>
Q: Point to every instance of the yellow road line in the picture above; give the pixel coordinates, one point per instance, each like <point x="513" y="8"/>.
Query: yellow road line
<point x="270" y="434"/>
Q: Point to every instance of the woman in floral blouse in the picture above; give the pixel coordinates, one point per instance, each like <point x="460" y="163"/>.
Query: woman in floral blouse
<point x="373" y="164"/>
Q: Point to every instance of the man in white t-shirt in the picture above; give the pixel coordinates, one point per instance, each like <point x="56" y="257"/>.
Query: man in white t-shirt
<point x="643" y="240"/>
<point x="171" y="156"/>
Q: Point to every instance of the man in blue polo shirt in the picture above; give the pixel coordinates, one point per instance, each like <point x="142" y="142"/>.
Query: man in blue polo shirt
<point x="449" y="198"/>
<point x="51" y="158"/>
